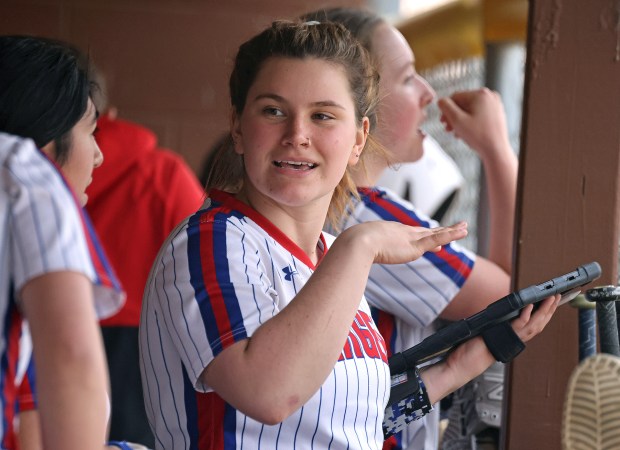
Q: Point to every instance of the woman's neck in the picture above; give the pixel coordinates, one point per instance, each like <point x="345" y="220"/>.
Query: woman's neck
<point x="302" y="225"/>
<point x="368" y="173"/>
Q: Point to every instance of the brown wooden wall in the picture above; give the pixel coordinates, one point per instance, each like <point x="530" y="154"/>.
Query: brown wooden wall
<point x="166" y="62"/>
<point x="569" y="186"/>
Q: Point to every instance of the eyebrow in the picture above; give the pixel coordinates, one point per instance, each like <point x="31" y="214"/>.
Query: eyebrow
<point x="281" y="99"/>
<point x="409" y="64"/>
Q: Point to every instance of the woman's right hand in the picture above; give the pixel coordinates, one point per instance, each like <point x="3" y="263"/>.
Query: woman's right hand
<point x="395" y="243"/>
<point x="478" y="118"/>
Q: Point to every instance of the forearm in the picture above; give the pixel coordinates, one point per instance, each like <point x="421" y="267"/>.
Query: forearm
<point x="70" y="363"/>
<point x="81" y="421"/>
<point x="287" y="359"/>
<point x="478" y="118"/>
<point x="465" y="363"/>
<point x="500" y="170"/>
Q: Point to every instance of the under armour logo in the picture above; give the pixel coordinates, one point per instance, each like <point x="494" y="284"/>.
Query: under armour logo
<point x="288" y="273"/>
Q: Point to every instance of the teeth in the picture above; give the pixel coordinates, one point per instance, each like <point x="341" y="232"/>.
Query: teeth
<point x="295" y="163"/>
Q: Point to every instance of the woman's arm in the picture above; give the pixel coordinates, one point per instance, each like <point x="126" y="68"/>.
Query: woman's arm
<point x="273" y="373"/>
<point x="478" y="118"/>
<point x="71" y="371"/>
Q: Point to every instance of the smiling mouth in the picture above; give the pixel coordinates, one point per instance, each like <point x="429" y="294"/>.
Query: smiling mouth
<point x="295" y="165"/>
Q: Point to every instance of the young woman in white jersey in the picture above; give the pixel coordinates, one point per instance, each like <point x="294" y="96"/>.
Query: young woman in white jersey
<point x="255" y="332"/>
<point x="453" y="283"/>
<point x="50" y="261"/>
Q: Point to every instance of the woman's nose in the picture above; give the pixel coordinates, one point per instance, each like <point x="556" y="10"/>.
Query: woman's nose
<point x="98" y="156"/>
<point x="296" y="134"/>
<point x="428" y="93"/>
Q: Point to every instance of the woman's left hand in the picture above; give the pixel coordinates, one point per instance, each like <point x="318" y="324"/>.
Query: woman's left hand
<point x="529" y="324"/>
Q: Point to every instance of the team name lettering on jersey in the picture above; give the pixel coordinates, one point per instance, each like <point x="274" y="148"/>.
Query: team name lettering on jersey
<point x="363" y="339"/>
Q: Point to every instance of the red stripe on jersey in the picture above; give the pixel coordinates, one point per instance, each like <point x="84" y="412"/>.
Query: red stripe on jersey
<point x="211" y="410"/>
<point x="402" y="217"/>
<point x="25" y="395"/>
<point x="387" y="328"/>
<point x="209" y="275"/>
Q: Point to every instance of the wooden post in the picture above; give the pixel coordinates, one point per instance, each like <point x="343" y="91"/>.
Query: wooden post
<point x="568" y="205"/>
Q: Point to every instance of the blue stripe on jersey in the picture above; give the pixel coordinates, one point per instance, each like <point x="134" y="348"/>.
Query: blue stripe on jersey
<point x="297" y="429"/>
<point x="98" y="249"/>
<point x="200" y="263"/>
<point x="331" y="423"/>
<point x="191" y="411"/>
<point x="230" y="427"/>
<point x="318" y="415"/>
<point x="457" y="277"/>
<point x="344" y="416"/>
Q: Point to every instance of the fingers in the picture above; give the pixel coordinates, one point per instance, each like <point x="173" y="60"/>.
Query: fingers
<point x="441" y="236"/>
<point x="450" y="112"/>
<point x="398" y="243"/>
<point x="529" y="324"/>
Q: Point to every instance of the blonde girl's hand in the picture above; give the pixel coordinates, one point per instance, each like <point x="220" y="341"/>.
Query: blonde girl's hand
<point x="478" y="118"/>
<point x="396" y="243"/>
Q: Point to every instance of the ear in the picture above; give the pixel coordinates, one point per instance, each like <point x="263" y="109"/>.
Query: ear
<point x="361" y="135"/>
<point x="235" y="132"/>
<point x="50" y="150"/>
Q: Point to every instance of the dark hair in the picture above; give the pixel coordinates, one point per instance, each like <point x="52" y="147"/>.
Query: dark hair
<point x="284" y="39"/>
<point x="44" y="90"/>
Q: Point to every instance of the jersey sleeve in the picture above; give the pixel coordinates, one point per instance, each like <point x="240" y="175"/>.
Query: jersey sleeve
<point x="416" y="292"/>
<point x="47" y="227"/>
<point x="210" y="289"/>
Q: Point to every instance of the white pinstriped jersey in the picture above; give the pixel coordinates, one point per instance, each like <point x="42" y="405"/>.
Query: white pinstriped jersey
<point x="221" y="274"/>
<point x="41" y="231"/>
<point x="405" y="299"/>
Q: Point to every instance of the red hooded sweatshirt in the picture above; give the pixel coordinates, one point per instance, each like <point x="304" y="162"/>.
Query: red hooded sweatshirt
<point x="137" y="197"/>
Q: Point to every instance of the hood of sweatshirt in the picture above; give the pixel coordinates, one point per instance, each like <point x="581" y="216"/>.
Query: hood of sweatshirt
<point x="124" y="145"/>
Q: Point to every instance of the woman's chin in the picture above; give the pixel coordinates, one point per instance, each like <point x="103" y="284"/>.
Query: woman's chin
<point x="83" y="199"/>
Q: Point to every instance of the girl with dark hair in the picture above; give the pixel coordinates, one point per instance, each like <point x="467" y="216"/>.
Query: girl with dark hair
<point x="254" y="330"/>
<point x="51" y="267"/>
<point x="45" y="95"/>
<point x="453" y="283"/>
